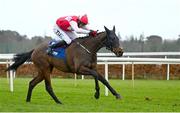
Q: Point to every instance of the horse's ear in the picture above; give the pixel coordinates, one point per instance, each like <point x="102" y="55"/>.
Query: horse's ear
<point x="107" y="30"/>
<point x="114" y="29"/>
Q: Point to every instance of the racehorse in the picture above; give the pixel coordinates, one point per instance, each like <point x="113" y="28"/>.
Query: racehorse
<point x="81" y="58"/>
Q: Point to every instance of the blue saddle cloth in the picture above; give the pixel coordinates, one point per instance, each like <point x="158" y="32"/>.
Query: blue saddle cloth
<point x="58" y="52"/>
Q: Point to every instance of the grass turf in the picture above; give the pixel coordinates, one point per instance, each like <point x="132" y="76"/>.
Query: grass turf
<point x="146" y="96"/>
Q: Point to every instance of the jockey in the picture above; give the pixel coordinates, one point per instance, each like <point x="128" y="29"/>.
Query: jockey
<point x="67" y="28"/>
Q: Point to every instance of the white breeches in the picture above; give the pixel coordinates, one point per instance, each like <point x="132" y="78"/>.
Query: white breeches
<point x="60" y="34"/>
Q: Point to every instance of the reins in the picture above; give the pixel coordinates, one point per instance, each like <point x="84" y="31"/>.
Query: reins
<point x="83" y="47"/>
<point x="103" y="43"/>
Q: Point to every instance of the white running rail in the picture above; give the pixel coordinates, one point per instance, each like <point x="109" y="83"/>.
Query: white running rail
<point x="109" y="58"/>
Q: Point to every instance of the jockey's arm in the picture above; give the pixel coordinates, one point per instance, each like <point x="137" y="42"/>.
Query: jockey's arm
<point x="86" y="27"/>
<point x="77" y="29"/>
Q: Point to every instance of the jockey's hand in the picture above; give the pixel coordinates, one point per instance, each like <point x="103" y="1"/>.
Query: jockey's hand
<point x="93" y="33"/>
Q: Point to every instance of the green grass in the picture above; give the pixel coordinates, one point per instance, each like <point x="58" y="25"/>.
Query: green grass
<point x="146" y="96"/>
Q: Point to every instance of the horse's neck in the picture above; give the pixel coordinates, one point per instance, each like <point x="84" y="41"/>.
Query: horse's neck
<point x="99" y="42"/>
<point x="94" y="44"/>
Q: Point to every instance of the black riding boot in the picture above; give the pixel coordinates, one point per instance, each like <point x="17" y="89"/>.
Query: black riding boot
<point x="55" y="45"/>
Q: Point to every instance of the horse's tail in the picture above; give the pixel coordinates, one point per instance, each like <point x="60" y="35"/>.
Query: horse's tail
<point x="19" y="59"/>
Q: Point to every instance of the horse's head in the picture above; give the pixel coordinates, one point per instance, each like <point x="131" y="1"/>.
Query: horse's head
<point x="112" y="42"/>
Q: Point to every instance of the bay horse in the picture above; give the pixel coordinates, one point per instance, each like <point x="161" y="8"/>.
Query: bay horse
<point x="81" y="58"/>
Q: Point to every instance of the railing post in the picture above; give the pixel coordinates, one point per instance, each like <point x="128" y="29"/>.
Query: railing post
<point x="106" y="77"/>
<point x="11" y="77"/>
<point x="168" y="71"/>
<point x="7" y="72"/>
<point x="82" y="77"/>
<point x="75" y="79"/>
<point x="133" y="73"/>
<point x="123" y="72"/>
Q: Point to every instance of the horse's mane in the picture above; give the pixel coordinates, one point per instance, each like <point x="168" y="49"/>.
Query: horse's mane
<point x="84" y="37"/>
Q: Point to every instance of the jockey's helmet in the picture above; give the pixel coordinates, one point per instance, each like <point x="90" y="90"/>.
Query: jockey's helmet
<point x="84" y="19"/>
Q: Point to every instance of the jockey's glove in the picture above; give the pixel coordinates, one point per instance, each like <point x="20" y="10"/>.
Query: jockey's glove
<point x="93" y="33"/>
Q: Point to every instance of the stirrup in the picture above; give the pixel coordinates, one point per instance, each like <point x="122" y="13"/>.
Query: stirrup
<point x="49" y="51"/>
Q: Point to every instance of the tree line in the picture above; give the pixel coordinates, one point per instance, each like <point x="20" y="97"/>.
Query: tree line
<point x="13" y="42"/>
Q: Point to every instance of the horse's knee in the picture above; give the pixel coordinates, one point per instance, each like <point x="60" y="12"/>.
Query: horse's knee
<point x="35" y="81"/>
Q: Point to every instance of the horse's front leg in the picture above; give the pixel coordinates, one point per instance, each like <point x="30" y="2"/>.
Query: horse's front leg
<point x="87" y="71"/>
<point x="105" y="82"/>
<point x="95" y="75"/>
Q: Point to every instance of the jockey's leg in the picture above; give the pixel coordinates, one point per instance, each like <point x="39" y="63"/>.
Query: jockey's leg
<point x="62" y="35"/>
<point x="55" y="45"/>
<point x="73" y="35"/>
<point x="62" y="39"/>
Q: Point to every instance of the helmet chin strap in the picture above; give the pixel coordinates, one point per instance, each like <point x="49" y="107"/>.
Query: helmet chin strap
<point x="79" y="22"/>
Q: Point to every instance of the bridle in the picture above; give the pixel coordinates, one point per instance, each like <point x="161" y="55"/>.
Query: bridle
<point x="108" y="43"/>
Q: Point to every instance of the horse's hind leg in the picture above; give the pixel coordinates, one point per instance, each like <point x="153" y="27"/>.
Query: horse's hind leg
<point x="32" y="84"/>
<point x="49" y="88"/>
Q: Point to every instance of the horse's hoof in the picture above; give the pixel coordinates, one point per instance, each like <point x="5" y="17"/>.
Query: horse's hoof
<point x="28" y="101"/>
<point x="58" y="102"/>
<point x="118" y="96"/>
<point x="96" y="95"/>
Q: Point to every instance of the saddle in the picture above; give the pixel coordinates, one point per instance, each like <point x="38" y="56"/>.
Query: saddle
<point x="58" y="52"/>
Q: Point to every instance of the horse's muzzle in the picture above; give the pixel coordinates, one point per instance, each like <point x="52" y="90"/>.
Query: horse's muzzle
<point x="118" y="51"/>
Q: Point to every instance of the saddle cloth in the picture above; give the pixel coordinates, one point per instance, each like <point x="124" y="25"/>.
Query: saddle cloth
<point x="58" y="52"/>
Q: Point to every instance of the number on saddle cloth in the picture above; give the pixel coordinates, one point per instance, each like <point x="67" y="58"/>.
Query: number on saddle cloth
<point x="58" y="52"/>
